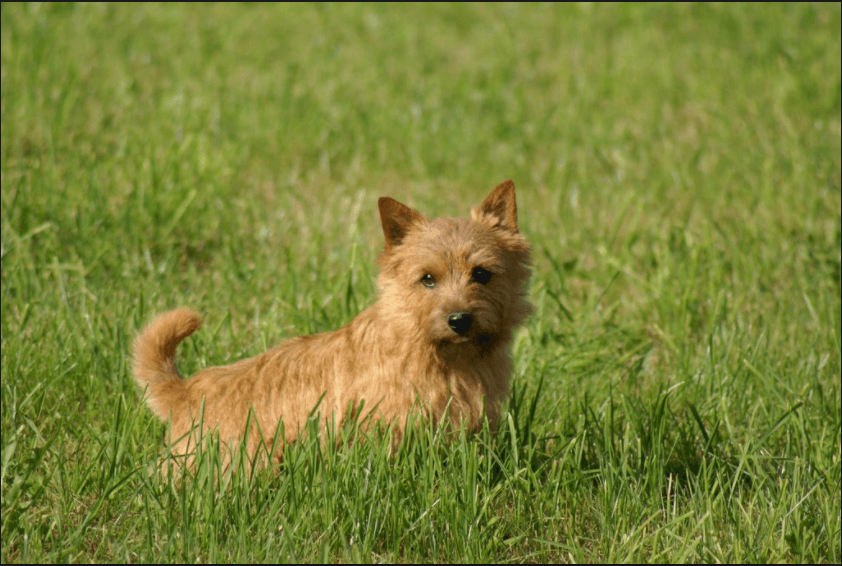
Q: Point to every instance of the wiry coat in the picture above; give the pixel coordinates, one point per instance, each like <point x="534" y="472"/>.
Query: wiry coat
<point x="437" y="341"/>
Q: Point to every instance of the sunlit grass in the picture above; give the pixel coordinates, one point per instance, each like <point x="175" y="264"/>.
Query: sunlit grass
<point x="677" y="391"/>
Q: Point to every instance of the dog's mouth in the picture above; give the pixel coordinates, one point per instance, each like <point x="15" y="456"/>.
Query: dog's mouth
<point x="480" y="339"/>
<point x="483" y="339"/>
<point x="462" y="327"/>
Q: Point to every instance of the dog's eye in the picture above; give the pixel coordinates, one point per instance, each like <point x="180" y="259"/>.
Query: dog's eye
<point x="429" y="281"/>
<point x="480" y="275"/>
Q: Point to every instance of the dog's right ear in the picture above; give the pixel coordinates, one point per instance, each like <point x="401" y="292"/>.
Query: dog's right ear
<point x="396" y="218"/>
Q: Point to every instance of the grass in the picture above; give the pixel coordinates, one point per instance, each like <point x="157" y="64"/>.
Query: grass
<point x="677" y="392"/>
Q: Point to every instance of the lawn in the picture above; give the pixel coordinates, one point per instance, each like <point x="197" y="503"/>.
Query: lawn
<point x="676" y="395"/>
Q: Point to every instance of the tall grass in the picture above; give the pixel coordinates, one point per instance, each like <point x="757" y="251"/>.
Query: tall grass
<point x="676" y="394"/>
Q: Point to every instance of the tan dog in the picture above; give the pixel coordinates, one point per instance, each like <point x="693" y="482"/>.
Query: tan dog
<point x="436" y="342"/>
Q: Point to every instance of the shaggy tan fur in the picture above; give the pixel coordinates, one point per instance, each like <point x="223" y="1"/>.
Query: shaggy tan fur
<point x="437" y="341"/>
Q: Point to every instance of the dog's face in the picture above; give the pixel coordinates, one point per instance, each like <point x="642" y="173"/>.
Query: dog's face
<point x="454" y="281"/>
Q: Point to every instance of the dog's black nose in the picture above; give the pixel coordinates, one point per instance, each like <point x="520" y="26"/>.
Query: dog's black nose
<point x="459" y="322"/>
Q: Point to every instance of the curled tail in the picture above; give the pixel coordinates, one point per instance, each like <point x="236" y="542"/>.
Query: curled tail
<point x="154" y="360"/>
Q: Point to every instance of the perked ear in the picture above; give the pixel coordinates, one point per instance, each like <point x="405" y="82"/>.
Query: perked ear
<point x="500" y="204"/>
<point x="396" y="218"/>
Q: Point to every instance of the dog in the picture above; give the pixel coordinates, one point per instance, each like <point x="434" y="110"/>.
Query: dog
<point x="435" y="344"/>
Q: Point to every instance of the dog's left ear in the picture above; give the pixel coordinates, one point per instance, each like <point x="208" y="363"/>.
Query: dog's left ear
<point x="396" y="219"/>
<point x="500" y="205"/>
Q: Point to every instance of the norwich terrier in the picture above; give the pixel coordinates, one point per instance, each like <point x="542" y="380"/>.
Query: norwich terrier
<point x="436" y="343"/>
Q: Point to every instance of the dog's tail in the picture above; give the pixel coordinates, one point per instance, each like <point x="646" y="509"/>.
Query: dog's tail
<point x="154" y="360"/>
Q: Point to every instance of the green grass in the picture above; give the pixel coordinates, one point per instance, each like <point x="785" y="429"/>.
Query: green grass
<point x="677" y="391"/>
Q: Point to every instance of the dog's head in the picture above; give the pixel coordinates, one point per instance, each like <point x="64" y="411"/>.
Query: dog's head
<point x="455" y="280"/>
